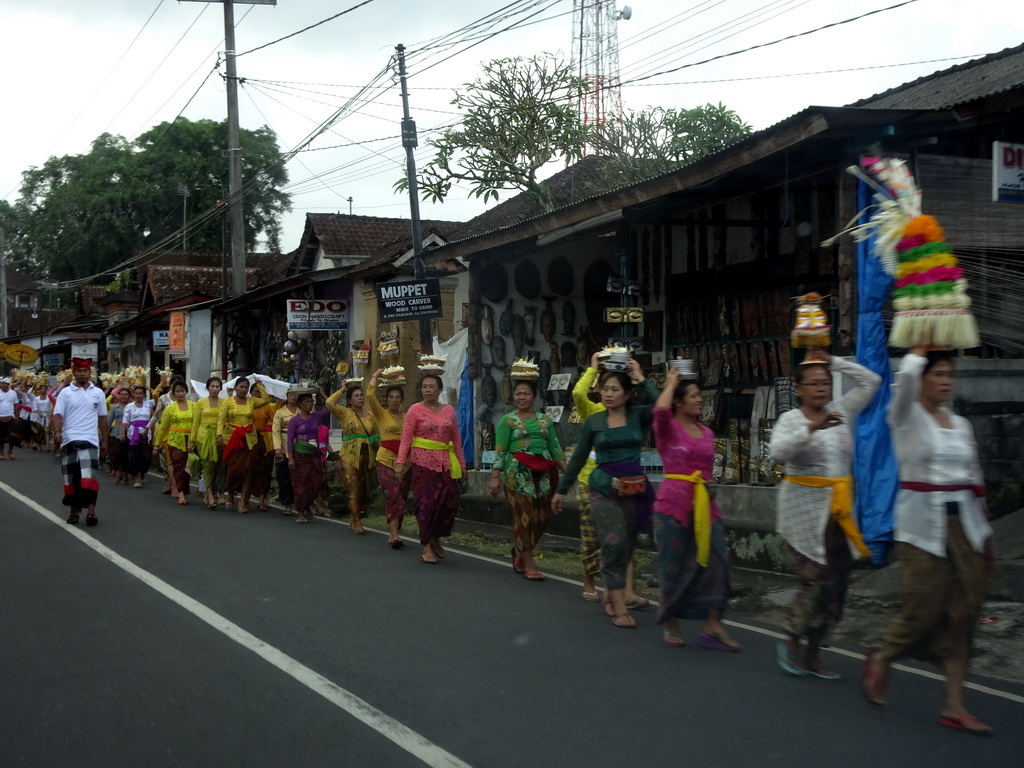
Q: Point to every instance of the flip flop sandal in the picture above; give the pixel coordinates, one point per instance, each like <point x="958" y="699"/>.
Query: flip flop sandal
<point x="534" y="576"/>
<point x="871" y="688"/>
<point x="786" y="662"/>
<point x="829" y="675"/>
<point x="638" y="604"/>
<point x="616" y="620"/>
<point x="716" y="643"/>
<point x="591" y="597"/>
<point x="516" y="566"/>
<point x="72" y="519"/>
<point x="91" y="520"/>
<point x="964" y="723"/>
<point x="428" y="559"/>
<point x="672" y="639"/>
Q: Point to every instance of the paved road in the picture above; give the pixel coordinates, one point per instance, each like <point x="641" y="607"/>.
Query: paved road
<point x="175" y="636"/>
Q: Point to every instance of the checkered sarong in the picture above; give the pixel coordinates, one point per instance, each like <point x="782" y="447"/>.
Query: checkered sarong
<point x="80" y="464"/>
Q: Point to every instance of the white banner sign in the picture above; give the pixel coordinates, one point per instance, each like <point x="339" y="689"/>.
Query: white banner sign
<point x="90" y="350"/>
<point x="317" y="315"/>
<point x="1007" y="172"/>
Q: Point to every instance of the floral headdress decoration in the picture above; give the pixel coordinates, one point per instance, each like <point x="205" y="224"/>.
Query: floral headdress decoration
<point x="929" y="289"/>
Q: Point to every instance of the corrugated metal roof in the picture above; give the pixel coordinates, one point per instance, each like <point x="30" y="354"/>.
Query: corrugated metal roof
<point x="949" y="87"/>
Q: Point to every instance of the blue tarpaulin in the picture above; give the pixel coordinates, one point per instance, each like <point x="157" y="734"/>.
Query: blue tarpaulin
<point x="465" y="415"/>
<point x="874" y="468"/>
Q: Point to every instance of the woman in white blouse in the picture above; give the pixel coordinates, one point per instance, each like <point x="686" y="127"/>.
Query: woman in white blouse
<point x="815" y="514"/>
<point x="942" y="535"/>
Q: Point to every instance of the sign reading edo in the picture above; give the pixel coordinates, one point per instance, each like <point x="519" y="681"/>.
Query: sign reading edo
<point x="413" y="300"/>
<point x="317" y="315"/>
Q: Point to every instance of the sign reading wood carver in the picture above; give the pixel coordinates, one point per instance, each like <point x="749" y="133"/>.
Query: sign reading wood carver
<point x="411" y="300"/>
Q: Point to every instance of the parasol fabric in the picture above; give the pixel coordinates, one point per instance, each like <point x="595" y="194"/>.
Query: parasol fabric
<point x="20" y="354"/>
<point x="874" y="467"/>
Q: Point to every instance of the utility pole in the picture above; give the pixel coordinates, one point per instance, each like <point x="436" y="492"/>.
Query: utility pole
<point x="234" y="156"/>
<point x="410" y="142"/>
<point x="3" y="286"/>
<point x="234" y="199"/>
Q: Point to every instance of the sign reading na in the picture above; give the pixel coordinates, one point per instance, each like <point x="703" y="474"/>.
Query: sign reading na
<point x="1007" y="172"/>
<point x="316" y="315"/>
<point x="413" y="300"/>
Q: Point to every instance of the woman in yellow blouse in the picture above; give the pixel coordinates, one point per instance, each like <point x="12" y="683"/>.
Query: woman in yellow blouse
<point x="359" y="436"/>
<point x="236" y="432"/>
<point x="263" y="461"/>
<point x="389" y="424"/>
<point x="279" y="434"/>
<point x="204" y="440"/>
<point x="175" y="434"/>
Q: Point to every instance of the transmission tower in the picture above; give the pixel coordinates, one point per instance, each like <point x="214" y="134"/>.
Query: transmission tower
<point x="595" y="46"/>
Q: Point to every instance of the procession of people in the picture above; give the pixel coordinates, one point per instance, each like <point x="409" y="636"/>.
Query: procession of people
<point x="238" y="445"/>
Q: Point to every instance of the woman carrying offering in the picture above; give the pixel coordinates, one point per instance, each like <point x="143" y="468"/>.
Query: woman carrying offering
<point x="390" y="422"/>
<point x="279" y="431"/>
<point x="236" y="432"/>
<point x="175" y="431"/>
<point x="942" y="533"/>
<point x="620" y="496"/>
<point x="263" y="460"/>
<point x="431" y="444"/>
<point x="693" y="561"/>
<point x="359" y="436"/>
<point x="138" y="416"/>
<point x="527" y="458"/>
<point x="204" y="439"/>
<point x="117" y="445"/>
<point x="304" y="456"/>
<point x="815" y="504"/>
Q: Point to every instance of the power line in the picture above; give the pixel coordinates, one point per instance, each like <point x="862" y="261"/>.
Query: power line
<point x="305" y="29"/>
<point x="817" y="72"/>
<point x="773" y="42"/>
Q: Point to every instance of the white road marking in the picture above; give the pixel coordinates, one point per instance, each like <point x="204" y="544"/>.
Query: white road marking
<point x="363" y="711"/>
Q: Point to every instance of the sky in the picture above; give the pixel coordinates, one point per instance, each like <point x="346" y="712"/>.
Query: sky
<point x="74" y="70"/>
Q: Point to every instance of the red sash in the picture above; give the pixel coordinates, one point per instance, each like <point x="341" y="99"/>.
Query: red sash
<point x="237" y="440"/>
<point x="536" y="463"/>
<point x="977" y="490"/>
<point x="391" y="445"/>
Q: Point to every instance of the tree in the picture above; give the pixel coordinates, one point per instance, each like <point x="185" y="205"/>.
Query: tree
<point x="82" y="215"/>
<point x="520" y="114"/>
<point x="648" y="143"/>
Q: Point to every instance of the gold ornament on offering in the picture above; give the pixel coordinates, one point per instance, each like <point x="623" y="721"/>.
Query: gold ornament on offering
<point x="525" y="370"/>
<point x="811" y="328"/>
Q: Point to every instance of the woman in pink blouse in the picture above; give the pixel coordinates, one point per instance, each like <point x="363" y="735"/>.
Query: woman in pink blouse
<point x="431" y="444"/>
<point x="693" y="563"/>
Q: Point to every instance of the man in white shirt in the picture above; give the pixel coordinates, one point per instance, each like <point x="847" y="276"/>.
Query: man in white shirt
<point x="9" y="403"/>
<point x="80" y="433"/>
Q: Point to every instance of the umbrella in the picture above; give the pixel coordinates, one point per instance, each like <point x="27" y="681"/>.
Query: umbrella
<point x="20" y="354"/>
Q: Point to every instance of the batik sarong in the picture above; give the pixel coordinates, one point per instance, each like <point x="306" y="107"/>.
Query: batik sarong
<point x="395" y="491"/>
<point x="177" y="462"/>
<point x="689" y="591"/>
<point x="307" y="480"/>
<point x="436" y="502"/>
<point x="942" y="600"/>
<point x="359" y="482"/>
<point x="818" y="604"/>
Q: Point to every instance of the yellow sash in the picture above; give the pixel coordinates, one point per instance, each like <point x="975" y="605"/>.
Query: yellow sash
<point x="842" y="505"/>
<point x="701" y="514"/>
<point x="433" y="445"/>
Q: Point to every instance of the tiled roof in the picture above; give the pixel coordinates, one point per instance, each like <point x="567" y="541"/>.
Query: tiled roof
<point x="578" y="182"/>
<point x="343" y="234"/>
<point x="946" y="88"/>
<point x="18" y="282"/>
<point x="172" y="282"/>
<point x="87" y="296"/>
<point x="21" y="323"/>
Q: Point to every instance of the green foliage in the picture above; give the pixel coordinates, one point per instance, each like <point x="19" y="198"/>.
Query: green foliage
<point x="657" y="140"/>
<point x="520" y="114"/>
<point x="80" y="215"/>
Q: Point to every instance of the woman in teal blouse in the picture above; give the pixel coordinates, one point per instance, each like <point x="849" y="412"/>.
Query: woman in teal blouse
<point x="526" y="459"/>
<point x="620" y="496"/>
